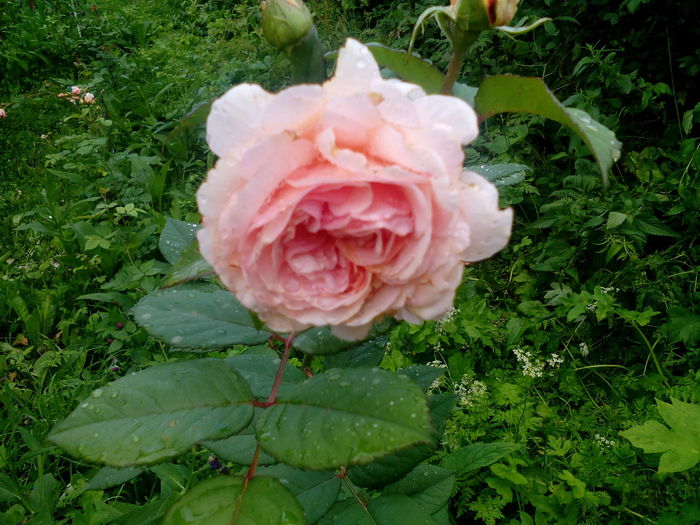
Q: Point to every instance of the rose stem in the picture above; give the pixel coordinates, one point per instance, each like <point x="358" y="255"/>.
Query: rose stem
<point x="270" y="401"/>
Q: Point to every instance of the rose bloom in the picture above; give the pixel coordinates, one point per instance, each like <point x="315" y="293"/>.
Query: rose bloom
<point x="75" y="90"/>
<point x="89" y="98"/>
<point x="3" y="114"/>
<point x="339" y="203"/>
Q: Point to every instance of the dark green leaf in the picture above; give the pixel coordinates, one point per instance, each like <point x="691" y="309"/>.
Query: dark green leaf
<point x="196" y="318"/>
<point x="502" y="175"/>
<point x="341" y="417"/>
<point x="259" y="372"/>
<point x="109" y="477"/>
<point x="366" y="355"/>
<point x="395" y="509"/>
<point x="240" y="448"/>
<point x="315" y="491"/>
<point x="683" y="325"/>
<point x="189" y="266"/>
<point x="265" y="502"/>
<point x="194" y="118"/>
<point x="411" y="68"/>
<point x="509" y="93"/>
<point x="476" y="456"/>
<point x="422" y="375"/>
<point x="320" y="341"/>
<point x="157" y="413"/>
<point x="175" y="237"/>
<point x="428" y="485"/>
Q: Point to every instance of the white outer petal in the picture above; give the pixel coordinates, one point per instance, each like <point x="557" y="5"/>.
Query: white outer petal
<point x="355" y="71"/>
<point x="489" y="226"/>
<point x="235" y="119"/>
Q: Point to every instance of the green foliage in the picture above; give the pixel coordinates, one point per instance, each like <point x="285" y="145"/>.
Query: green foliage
<point x="680" y="445"/>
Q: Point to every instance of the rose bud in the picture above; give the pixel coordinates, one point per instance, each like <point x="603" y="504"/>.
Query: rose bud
<point x="2" y="113"/>
<point x="285" y="22"/>
<point x="75" y="90"/>
<point x="479" y="15"/>
<point x="500" y="12"/>
<point x="89" y="98"/>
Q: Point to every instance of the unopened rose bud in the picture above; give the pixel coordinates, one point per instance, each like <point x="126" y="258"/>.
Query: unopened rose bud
<point x="89" y="98"/>
<point x="2" y="113"/>
<point x="500" y="11"/>
<point x="285" y="22"/>
<point x="75" y="90"/>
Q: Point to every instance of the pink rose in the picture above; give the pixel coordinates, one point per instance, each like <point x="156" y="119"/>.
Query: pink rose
<point x="3" y="114"/>
<point x="89" y="98"/>
<point x="75" y="90"/>
<point x="337" y="204"/>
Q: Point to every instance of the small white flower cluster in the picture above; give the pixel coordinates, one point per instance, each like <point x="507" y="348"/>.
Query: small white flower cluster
<point x="592" y="307"/>
<point x="555" y="361"/>
<point x="533" y="367"/>
<point x="608" y="289"/>
<point x="437" y="364"/>
<point x="440" y="381"/>
<point x="603" y="442"/>
<point x="583" y="349"/>
<point x="470" y="392"/>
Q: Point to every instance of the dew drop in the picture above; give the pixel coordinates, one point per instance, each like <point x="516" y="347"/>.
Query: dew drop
<point x="84" y="404"/>
<point x="146" y="316"/>
<point x="135" y="438"/>
<point x="175" y="340"/>
<point x="97" y="393"/>
<point x="114" y="395"/>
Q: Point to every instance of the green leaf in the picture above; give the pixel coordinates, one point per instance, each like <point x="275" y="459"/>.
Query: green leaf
<point x="428" y="485"/>
<point x="509" y="93"/>
<point x="265" y="502"/>
<point x="502" y="175"/>
<point x="189" y="266"/>
<point x="193" y="119"/>
<point x="683" y="325"/>
<point x="320" y="341"/>
<point x="476" y="456"/>
<point x="175" y="237"/>
<point x="315" y="491"/>
<point x="342" y="417"/>
<point x="422" y="375"/>
<point x="259" y="371"/>
<point x="157" y="413"/>
<point x="240" y="448"/>
<point x="615" y="219"/>
<point x="366" y="355"/>
<point x="392" y="467"/>
<point x="109" y="477"/>
<point x="411" y="68"/>
<point x="197" y="318"/>
<point x="394" y="509"/>
<point x="679" y="445"/>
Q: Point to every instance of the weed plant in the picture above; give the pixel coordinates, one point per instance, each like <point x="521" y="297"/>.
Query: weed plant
<point x="559" y="344"/>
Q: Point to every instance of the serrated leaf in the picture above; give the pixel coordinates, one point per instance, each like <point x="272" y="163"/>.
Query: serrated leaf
<point x="175" y="237"/>
<point x="109" y="477"/>
<point x="683" y="325"/>
<point x="259" y="371"/>
<point x="502" y="175"/>
<point x="615" y="219"/>
<point x="343" y="417"/>
<point x="189" y="266"/>
<point x="395" y="509"/>
<point x="366" y="355"/>
<point x="315" y="491"/>
<point x="422" y="375"/>
<point x="157" y="413"/>
<point x="185" y="317"/>
<point x="429" y="486"/>
<point x="476" y="456"/>
<point x="320" y="341"/>
<point x="392" y="467"/>
<point x="240" y="448"/>
<point x="510" y="93"/>
<point x="215" y="502"/>
<point x="679" y="444"/>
